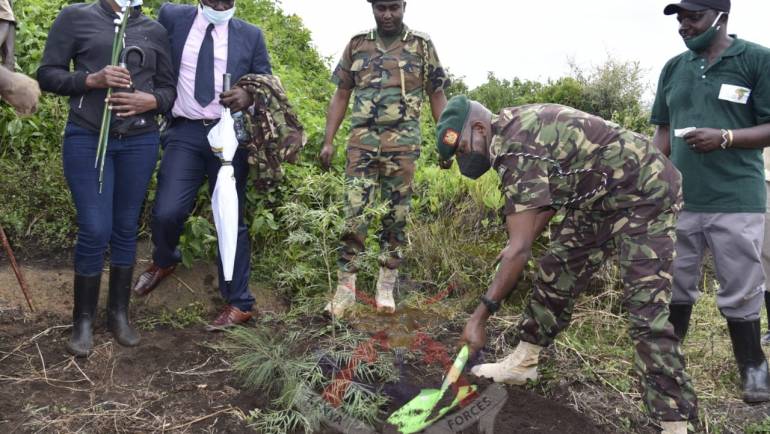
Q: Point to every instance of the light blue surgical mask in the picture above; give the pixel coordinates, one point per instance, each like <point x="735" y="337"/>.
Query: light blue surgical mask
<point x="216" y="17"/>
<point x="128" y="3"/>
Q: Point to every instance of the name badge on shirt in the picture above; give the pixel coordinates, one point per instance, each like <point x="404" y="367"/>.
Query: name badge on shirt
<point x="732" y="93"/>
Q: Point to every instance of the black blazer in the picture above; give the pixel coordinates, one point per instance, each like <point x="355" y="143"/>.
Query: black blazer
<point x="82" y="34"/>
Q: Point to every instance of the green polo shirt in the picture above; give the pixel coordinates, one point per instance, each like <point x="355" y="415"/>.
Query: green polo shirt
<point x="731" y="93"/>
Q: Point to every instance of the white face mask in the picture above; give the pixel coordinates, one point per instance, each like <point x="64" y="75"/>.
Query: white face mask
<point x="128" y="3"/>
<point x="216" y="17"/>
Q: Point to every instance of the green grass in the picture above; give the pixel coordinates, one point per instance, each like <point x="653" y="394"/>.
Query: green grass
<point x="759" y="427"/>
<point x="285" y="365"/>
<point x="183" y="317"/>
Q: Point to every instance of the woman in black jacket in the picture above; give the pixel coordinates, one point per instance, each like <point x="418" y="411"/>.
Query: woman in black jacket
<point x="82" y="35"/>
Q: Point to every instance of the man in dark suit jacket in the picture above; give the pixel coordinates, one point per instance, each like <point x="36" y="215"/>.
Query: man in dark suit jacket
<point x="206" y="42"/>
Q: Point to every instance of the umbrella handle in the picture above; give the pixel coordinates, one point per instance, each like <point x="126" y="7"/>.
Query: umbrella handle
<point x="128" y="50"/>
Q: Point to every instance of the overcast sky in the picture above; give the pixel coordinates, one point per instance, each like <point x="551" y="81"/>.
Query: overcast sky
<point x="530" y="40"/>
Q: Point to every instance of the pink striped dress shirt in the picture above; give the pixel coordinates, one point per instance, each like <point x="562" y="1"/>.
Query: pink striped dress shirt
<point x="186" y="106"/>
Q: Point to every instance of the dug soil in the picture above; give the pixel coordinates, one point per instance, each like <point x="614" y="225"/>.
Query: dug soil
<point x="527" y="412"/>
<point x="176" y="380"/>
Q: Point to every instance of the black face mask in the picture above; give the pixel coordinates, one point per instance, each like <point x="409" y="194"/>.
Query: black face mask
<point x="473" y="164"/>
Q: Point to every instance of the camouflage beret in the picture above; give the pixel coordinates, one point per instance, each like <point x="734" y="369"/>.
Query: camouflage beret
<point x="450" y="126"/>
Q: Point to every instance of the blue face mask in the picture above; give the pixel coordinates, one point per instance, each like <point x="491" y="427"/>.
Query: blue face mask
<point x="216" y="17"/>
<point x="128" y="3"/>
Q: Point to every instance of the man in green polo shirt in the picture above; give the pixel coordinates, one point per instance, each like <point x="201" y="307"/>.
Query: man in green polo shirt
<point x="712" y="112"/>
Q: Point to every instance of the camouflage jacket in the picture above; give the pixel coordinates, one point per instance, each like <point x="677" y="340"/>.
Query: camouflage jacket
<point x="276" y="134"/>
<point x="549" y="155"/>
<point x="389" y="88"/>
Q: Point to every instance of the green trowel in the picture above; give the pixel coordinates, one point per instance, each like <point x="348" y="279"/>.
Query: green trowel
<point x="431" y="404"/>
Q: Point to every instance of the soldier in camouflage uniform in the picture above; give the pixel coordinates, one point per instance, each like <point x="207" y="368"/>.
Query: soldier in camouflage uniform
<point x="618" y="193"/>
<point x="390" y="70"/>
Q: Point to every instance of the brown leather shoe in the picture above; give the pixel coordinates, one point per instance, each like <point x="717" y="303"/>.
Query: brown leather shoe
<point x="151" y="277"/>
<point x="230" y="316"/>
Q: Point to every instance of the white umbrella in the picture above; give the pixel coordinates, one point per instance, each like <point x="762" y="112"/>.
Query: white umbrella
<point x="224" y="201"/>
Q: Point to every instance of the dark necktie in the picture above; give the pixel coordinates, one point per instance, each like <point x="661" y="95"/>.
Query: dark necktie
<point x="204" y="72"/>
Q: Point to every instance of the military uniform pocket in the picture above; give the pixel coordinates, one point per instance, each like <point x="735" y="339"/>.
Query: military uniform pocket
<point x="413" y="77"/>
<point x="358" y="70"/>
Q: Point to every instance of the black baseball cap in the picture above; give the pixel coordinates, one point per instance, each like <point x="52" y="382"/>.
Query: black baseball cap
<point x="698" y="5"/>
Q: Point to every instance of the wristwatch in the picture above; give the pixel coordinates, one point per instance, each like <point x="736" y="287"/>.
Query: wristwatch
<point x="492" y="306"/>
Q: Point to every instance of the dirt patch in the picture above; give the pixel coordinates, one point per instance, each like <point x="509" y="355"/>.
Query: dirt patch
<point x="50" y="284"/>
<point x="528" y="412"/>
<point x="175" y="380"/>
<point x="524" y="411"/>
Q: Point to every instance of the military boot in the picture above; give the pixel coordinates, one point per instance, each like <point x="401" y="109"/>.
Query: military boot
<point x="345" y="297"/>
<point x="385" y="284"/>
<point x="678" y="427"/>
<point x="516" y="368"/>
<point x="751" y="360"/>
<point x="83" y="312"/>
<point x="679" y="316"/>
<point x="117" y="306"/>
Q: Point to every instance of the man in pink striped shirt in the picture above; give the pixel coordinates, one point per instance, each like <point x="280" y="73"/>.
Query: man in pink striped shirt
<point x="206" y="42"/>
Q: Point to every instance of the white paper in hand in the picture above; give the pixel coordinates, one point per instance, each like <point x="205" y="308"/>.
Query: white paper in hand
<point x="681" y="132"/>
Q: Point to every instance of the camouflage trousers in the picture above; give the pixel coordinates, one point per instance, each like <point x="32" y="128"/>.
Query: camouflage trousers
<point x="645" y="246"/>
<point x="368" y="173"/>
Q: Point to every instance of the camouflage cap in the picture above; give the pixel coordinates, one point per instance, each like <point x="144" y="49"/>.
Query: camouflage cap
<point x="450" y="126"/>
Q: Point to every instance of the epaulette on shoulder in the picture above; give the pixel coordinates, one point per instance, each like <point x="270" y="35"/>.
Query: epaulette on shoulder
<point x="368" y="34"/>
<point x="422" y="35"/>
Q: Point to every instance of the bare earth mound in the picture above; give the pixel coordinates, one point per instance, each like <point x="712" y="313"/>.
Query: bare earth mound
<point x="174" y="381"/>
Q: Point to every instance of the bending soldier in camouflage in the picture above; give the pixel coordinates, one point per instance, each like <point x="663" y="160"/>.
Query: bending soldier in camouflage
<point x="618" y="194"/>
<point x="391" y="69"/>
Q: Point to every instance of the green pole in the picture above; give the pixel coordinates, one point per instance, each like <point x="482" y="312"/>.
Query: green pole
<point x="104" y="132"/>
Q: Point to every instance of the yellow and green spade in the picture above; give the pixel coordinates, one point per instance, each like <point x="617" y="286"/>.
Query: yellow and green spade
<point x="431" y="404"/>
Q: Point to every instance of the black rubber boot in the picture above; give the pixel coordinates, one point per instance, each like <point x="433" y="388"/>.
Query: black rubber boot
<point x="117" y="306"/>
<point x="751" y="361"/>
<point x="766" y="336"/>
<point x="83" y="313"/>
<point x="679" y="317"/>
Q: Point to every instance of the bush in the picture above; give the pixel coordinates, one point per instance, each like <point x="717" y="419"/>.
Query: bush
<point x="37" y="211"/>
<point x="612" y="91"/>
<point x="295" y="228"/>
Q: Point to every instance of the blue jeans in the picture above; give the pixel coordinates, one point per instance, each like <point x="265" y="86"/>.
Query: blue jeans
<point x="110" y="218"/>
<point x="187" y="162"/>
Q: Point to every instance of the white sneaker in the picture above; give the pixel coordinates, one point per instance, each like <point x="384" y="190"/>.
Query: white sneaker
<point x="678" y="427"/>
<point x="516" y="368"/>
<point x="385" y="284"/>
<point x="345" y="297"/>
